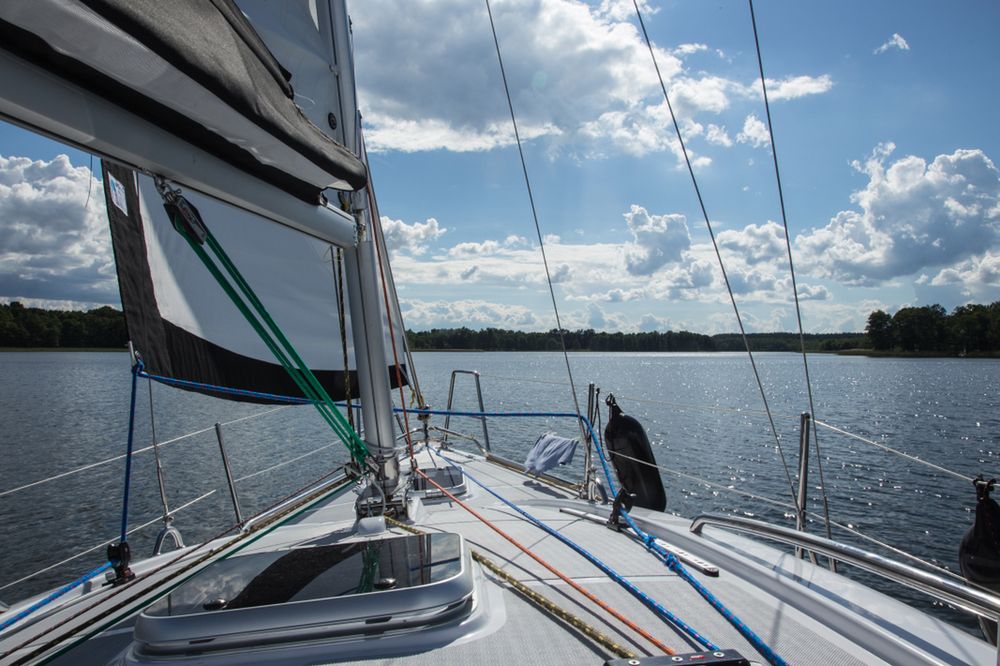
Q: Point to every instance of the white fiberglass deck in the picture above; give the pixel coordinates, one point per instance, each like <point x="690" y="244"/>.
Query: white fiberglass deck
<point x="807" y="614"/>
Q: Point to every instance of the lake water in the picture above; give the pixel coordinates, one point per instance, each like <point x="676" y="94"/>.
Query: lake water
<point x="703" y="414"/>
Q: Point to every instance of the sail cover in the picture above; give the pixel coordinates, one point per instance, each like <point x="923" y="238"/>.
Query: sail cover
<point x="196" y="68"/>
<point x="185" y="327"/>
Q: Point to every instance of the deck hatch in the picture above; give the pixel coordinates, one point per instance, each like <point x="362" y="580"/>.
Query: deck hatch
<point x="307" y="592"/>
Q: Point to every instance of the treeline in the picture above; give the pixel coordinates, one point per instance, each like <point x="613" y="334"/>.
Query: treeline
<point x="495" y="339"/>
<point x="968" y="329"/>
<point x="35" y="327"/>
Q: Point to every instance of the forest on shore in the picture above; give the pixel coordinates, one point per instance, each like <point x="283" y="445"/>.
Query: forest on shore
<point x="969" y="329"/>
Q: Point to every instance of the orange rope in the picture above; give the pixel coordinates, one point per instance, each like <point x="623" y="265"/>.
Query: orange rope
<point x="576" y="586"/>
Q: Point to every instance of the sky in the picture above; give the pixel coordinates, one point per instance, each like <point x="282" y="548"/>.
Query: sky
<point x="884" y="118"/>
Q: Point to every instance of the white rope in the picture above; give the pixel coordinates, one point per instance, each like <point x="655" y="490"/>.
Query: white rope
<point x="902" y="454"/>
<point x="105" y="543"/>
<point x="142" y="450"/>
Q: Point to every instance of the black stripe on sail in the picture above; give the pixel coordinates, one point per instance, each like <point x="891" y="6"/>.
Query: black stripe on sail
<point x="171" y="351"/>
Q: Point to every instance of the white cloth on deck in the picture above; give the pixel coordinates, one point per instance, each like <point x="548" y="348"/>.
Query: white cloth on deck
<point x="550" y="450"/>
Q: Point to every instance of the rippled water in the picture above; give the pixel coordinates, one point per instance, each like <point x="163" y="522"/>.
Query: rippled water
<point x="703" y="413"/>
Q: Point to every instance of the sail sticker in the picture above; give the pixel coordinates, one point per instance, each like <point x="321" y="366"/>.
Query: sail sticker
<point x="118" y="194"/>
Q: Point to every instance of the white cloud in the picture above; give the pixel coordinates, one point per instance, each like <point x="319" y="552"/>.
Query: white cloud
<point x="912" y="216"/>
<point x="52" y="248"/>
<point x="410" y="238"/>
<point x="649" y="323"/>
<point x="718" y="136"/>
<point x="623" y="10"/>
<point x="472" y="313"/>
<point x="754" y="132"/>
<point x="688" y="49"/>
<point x="976" y="277"/>
<point x="657" y="240"/>
<point x="755" y="244"/>
<point x="449" y="96"/>
<point x="894" y="42"/>
<point x="794" y="87"/>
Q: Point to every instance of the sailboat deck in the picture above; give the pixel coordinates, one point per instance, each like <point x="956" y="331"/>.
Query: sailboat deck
<point x="804" y="612"/>
<point x="533" y="635"/>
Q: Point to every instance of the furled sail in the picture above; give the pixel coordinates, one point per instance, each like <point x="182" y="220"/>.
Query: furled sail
<point x="185" y="327"/>
<point x="195" y="68"/>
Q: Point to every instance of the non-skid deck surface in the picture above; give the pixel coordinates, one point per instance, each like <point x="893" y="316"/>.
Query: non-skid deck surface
<point x="538" y="637"/>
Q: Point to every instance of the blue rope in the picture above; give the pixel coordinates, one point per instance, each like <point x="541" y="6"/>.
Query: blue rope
<point x="136" y="369"/>
<point x="675" y="565"/>
<point x="276" y="397"/>
<point x="54" y="595"/>
<point x="647" y="601"/>
<point x="664" y="555"/>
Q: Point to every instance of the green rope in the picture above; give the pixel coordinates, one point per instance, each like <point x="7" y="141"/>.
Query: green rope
<point x="273" y="337"/>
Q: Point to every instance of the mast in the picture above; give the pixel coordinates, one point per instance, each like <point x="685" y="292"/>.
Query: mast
<point x="361" y="262"/>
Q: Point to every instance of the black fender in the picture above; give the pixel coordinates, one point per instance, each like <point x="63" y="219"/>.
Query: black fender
<point x="626" y="436"/>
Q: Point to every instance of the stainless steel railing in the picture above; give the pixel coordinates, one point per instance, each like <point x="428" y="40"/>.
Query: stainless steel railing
<point x="479" y="396"/>
<point x="966" y="597"/>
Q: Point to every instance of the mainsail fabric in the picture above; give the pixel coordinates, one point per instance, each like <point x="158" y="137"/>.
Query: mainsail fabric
<point x="195" y="68"/>
<point x="185" y="327"/>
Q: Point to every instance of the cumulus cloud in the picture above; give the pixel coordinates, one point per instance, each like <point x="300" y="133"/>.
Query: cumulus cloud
<point x="755" y="244"/>
<point x="649" y="323"/>
<point x="894" y="42"/>
<point x="471" y="313"/>
<point x="449" y="95"/>
<point x="976" y="277"/>
<point x="52" y="247"/>
<point x="412" y="238"/>
<point x="754" y="132"/>
<point x="657" y="240"/>
<point x="912" y="216"/>
<point x="718" y="136"/>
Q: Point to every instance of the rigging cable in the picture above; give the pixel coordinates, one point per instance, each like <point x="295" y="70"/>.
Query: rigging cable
<point x="791" y="269"/>
<point x="534" y="215"/>
<point x="718" y="255"/>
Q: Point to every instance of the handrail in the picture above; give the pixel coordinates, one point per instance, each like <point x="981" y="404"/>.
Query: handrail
<point x="966" y="597"/>
<point x="479" y="395"/>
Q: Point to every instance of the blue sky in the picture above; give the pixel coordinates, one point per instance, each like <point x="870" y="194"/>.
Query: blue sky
<point x="884" y="118"/>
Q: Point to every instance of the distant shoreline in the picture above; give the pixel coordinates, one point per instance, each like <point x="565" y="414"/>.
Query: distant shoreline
<point x="875" y="353"/>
